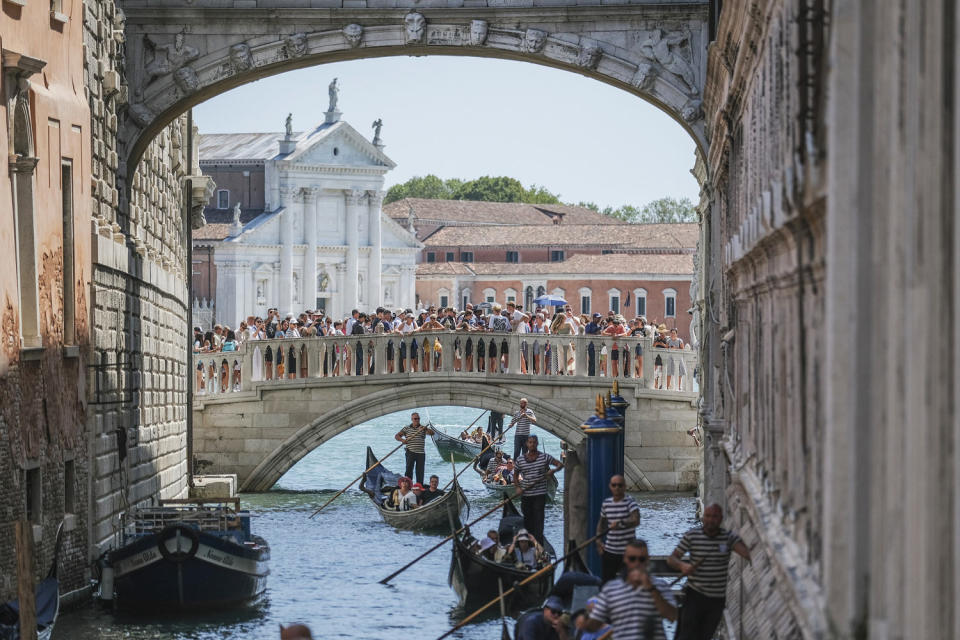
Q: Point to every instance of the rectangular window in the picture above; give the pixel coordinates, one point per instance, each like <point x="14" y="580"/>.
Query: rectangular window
<point x="449" y="257"/>
<point x="466" y="256"/>
<point x="641" y="306"/>
<point x="443" y="302"/>
<point x="615" y="304"/>
<point x="69" y="291"/>
<point x="585" y="304"/>
<point x="606" y="252"/>
<point x="511" y="298"/>
<point x="33" y="494"/>
<point x="671" y="307"/>
<point x="491" y="299"/>
<point x="513" y="256"/>
<point x="69" y="487"/>
<point x="556" y="256"/>
<point x="466" y="301"/>
<point x="223" y="199"/>
<point x="431" y="256"/>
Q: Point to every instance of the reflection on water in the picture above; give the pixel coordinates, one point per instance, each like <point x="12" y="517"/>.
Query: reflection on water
<point x="325" y="570"/>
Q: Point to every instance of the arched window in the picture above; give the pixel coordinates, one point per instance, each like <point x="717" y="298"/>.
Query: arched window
<point x="443" y="297"/>
<point x="670" y="303"/>
<point x="560" y="292"/>
<point x="510" y="295"/>
<point x="528" y="299"/>
<point x="22" y="169"/>
<point x="490" y="295"/>
<point x="586" y="298"/>
<point x="613" y="296"/>
<point x="465" y="298"/>
<point x="541" y="291"/>
<point x="640" y="295"/>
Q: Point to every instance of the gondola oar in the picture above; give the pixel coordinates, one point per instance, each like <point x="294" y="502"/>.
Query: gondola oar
<point x="440" y="544"/>
<point x="360" y="477"/>
<point x="681" y="576"/>
<point x="504" y="633"/>
<point x="529" y="578"/>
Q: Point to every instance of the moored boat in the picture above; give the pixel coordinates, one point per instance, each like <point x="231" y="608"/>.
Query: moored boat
<point x="511" y="490"/>
<point x="46" y="603"/>
<point x="186" y="554"/>
<point x="474" y="577"/>
<point x="439" y="513"/>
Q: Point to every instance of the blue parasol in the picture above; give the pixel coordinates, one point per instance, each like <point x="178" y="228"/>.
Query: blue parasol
<point x="550" y="300"/>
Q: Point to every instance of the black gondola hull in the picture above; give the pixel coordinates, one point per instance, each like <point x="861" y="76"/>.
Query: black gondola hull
<point x="474" y="578"/>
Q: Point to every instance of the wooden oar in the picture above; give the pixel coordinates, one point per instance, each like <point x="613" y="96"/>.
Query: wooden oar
<point x="681" y="577"/>
<point x="521" y="583"/>
<point x="504" y="634"/>
<point x="360" y="477"/>
<point x="607" y="635"/>
<point x="440" y="544"/>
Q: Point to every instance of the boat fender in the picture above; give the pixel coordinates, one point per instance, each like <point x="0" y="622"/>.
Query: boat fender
<point x="171" y="532"/>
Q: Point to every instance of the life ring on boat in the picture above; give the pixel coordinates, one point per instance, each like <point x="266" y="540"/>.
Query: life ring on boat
<point x="170" y="532"/>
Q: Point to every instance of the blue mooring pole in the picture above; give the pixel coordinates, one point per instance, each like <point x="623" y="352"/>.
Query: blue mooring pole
<point x="619" y="405"/>
<point x="602" y="435"/>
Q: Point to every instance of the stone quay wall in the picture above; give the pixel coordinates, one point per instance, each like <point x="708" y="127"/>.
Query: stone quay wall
<point x="140" y="310"/>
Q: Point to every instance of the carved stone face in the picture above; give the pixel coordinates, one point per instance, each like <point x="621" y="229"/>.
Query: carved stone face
<point x="589" y="55"/>
<point x="296" y="44"/>
<point x="240" y="57"/>
<point x="533" y="40"/>
<point x="416" y="26"/>
<point x="478" y="32"/>
<point x="178" y="41"/>
<point x="186" y="79"/>
<point x="354" y="34"/>
<point x="692" y="112"/>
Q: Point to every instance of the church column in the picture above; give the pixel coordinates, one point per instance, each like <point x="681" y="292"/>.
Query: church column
<point x="310" y="214"/>
<point x="375" y="266"/>
<point x="285" y="284"/>
<point x="408" y="297"/>
<point x="353" y="250"/>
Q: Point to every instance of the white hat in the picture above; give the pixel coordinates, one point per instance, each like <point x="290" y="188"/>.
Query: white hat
<point x="486" y="543"/>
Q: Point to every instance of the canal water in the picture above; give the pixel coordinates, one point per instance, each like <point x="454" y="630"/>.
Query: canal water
<point x="325" y="570"/>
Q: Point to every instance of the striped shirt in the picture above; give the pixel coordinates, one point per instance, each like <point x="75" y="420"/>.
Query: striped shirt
<point x="534" y="473"/>
<point x="631" y="611"/>
<point x="710" y="577"/>
<point x="414" y="439"/>
<point x="616" y="539"/>
<point x="523" y="417"/>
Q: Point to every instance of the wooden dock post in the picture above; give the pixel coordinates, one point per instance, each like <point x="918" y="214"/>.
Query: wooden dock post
<point x="26" y="590"/>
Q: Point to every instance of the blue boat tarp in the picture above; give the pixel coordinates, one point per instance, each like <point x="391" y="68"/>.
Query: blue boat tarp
<point x="46" y="605"/>
<point x="378" y="478"/>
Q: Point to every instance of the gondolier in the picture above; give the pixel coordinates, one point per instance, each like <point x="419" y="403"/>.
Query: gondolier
<point x="523" y="418"/>
<point x="533" y="466"/>
<point x="413" y="436"/>
<point x="709" y="547"/>
<point x="619" y="516"/>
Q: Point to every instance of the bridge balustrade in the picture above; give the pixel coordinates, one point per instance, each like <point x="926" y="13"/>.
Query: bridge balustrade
<point x="441" y="353"/>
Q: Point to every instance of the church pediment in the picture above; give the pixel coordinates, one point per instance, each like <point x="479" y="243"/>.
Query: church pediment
<point x="337" y="144"/>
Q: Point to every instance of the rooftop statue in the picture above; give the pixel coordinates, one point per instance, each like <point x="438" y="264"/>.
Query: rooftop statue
<point x="334" y="92"/>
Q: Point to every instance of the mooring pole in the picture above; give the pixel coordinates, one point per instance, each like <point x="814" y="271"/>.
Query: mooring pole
<point x="26" y="593"/>
<point x="602" y="434"/>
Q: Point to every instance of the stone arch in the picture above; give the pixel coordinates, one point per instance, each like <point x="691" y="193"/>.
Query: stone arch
<point x="556" y="420"/>
<point x="656" y="53"/>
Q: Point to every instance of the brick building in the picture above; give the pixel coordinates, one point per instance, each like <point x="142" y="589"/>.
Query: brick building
<point x="44" y="280"/>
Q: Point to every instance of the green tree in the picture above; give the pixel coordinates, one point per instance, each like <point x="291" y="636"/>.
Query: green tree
<point x="486" y="188"/>
<point x="428" y="186"/>
<point x="668" y="210"/>
<point x="491" y="189"/>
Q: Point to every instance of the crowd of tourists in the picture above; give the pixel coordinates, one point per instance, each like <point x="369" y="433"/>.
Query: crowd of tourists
<point x="476" y="351"/>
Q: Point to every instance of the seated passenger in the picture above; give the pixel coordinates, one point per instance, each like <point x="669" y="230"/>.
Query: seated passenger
<point x="495" y="463"/>
<point x="465" y="435"/>
<point x="508" y="473"/>
<point x="403" y="499"/>
<point x="522" y="552"/>
<point x="431" y="492"/>
<point x="418" y="491"/>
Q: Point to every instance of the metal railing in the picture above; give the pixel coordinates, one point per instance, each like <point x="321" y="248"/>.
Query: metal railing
<point x="468" y="353"/>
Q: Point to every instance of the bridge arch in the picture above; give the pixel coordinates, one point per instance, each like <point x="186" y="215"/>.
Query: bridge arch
<point x="553" y="418"/>
<point x="180" y="57"/>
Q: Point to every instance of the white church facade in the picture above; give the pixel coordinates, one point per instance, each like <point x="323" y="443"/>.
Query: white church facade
<point x="296" y="223"/>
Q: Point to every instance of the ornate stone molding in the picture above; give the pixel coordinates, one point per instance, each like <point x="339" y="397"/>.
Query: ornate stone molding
<point x="354" y="196"/>
<point x="414" y="28"/>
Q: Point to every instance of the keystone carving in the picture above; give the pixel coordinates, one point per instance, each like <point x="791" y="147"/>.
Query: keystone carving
<point x="296" y="44"/>
<point x="478" y="32"/>
<point x="354" y="35"/>
<point x="240" y="57"/>
<point x="140" y="114"/>
<point x="589" y="56"/>
<point x="668" y="49"/>
<point x="167" y="58"/>
<point x="534" y="40"/>
<point x="186" y="79"/>
<point x="415" y="28"/>
<point x="692" y="111"/>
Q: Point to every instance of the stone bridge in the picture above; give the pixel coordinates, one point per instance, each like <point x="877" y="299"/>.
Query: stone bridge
<point x="260" y="427"/>
<point x="179" y="54"/>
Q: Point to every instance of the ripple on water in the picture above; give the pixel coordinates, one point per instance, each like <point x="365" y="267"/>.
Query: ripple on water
<point x="325" y="570"/>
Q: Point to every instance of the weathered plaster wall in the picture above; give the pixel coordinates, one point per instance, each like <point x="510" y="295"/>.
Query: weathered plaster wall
<point x="136" y="381"/>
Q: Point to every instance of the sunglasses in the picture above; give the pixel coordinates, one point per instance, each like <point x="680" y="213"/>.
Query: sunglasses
<point x="617" y="484"/>
<point x="635" y="558"/>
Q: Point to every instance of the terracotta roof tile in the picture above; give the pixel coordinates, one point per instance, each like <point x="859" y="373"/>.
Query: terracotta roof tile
<point x="577" y="265"/>
<point x="511" y="213"/>
<point x="627" y="236"/>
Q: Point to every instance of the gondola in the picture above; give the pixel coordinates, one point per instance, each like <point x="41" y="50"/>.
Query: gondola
<point x="46" y="604"/>
<point x="511" y="490"/>
<point x="186" y="555"/>
<point x="474" y="577"/>
<point x="464" y="450"/>
<point x="439" y="513"/>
